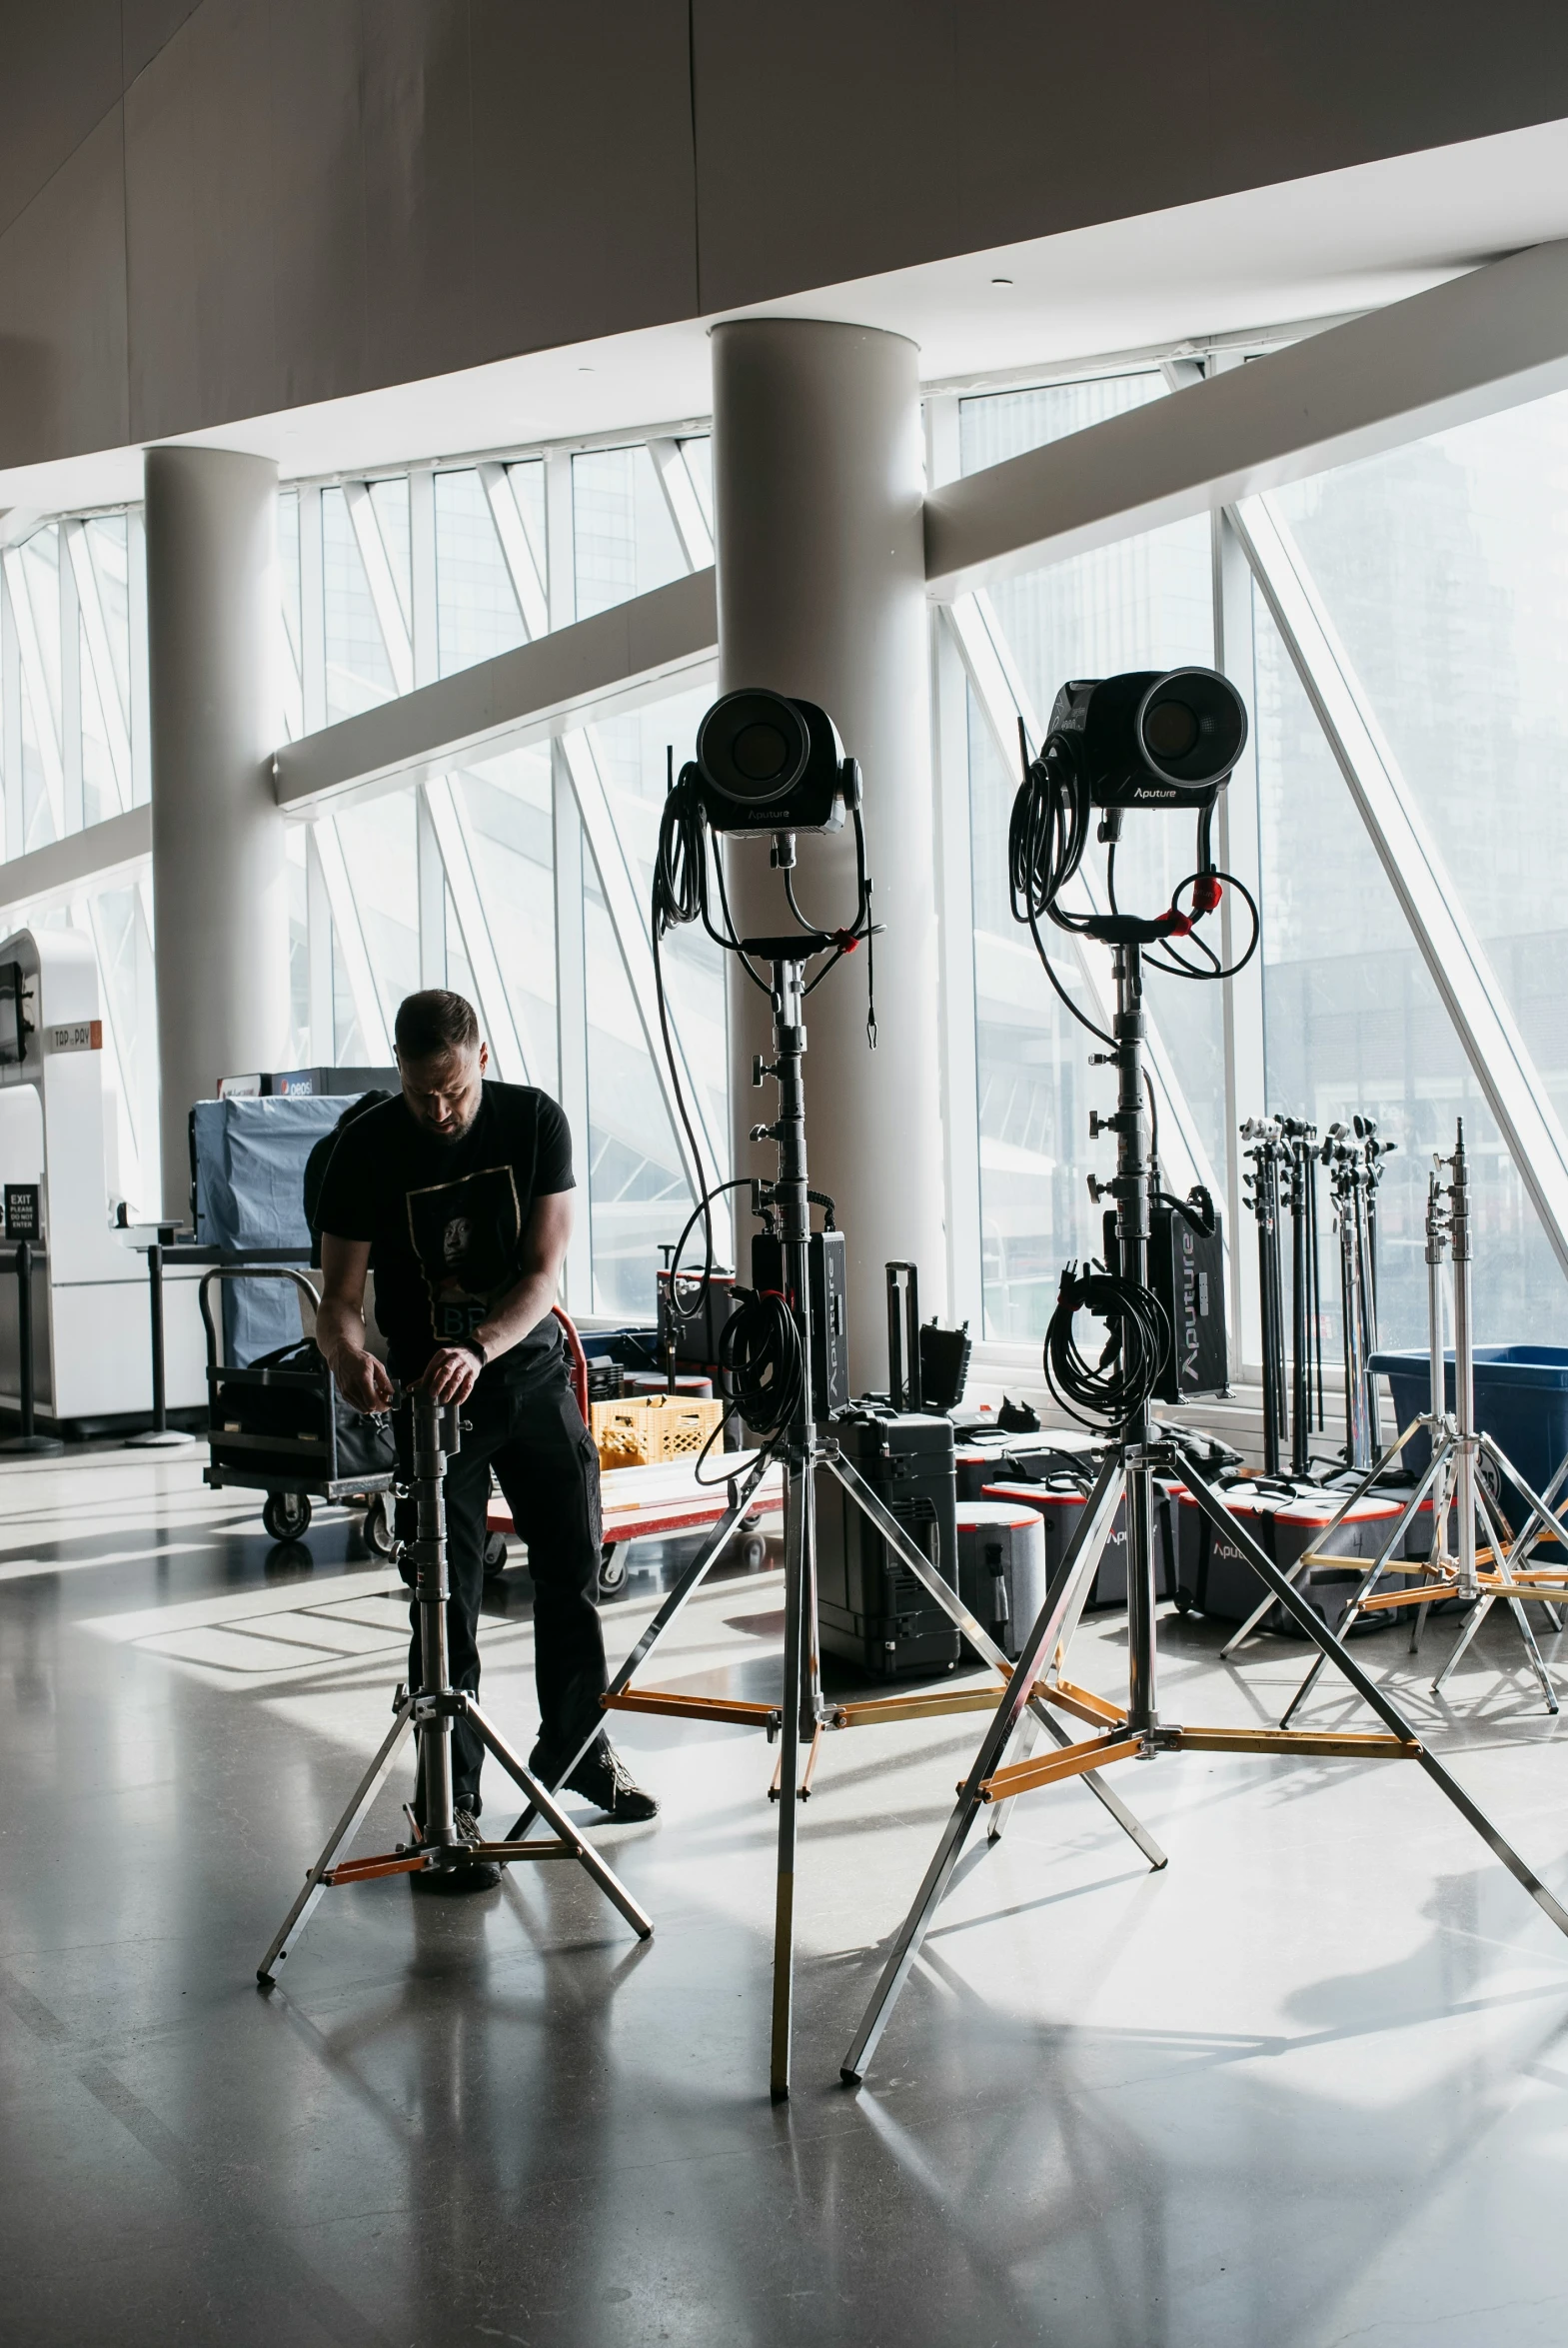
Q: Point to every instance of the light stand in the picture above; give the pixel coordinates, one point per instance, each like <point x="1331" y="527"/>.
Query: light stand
<point x="807" y="1445"/>
<point x="1136" y="1730"/>
<point x="1452" y="1481"/>
<point x="431" y="1713"/>
<point x="1306" y="1327"/>
<point x="1265" y="1154"/>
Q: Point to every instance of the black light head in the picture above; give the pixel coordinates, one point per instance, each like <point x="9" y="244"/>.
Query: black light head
<point x="1153" y="738"/>
<point x="768" y="764"/>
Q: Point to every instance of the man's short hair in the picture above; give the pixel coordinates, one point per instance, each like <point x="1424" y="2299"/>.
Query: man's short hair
<point x="434" y="1023"/>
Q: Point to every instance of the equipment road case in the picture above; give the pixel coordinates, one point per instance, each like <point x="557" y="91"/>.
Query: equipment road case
<point x="1061" y="1500"/>
<point x="1214" y="1576"/>
<point x="872" y="1609"/>
<point x="1001" y="1569"/>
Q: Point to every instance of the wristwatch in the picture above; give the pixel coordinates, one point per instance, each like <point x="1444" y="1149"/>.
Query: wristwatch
<point x="473" y="1346"/>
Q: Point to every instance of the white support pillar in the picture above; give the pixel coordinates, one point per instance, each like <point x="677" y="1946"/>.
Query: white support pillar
<point x="819" y="481"/>
<point x="220" y="880"/>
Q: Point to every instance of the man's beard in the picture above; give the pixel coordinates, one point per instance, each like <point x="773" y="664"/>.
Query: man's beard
<point x="447" y="1140"/>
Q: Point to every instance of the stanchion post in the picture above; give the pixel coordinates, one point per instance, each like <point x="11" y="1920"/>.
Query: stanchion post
<point x="160" y="1435"/>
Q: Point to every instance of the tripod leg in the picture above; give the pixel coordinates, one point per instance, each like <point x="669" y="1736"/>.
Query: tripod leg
<point x="1001" y="1811"/>
<point x="1478" y="1615"/>
<point x="1076" y="1572"/>
<point x="1238" y="1638"/>
<point x="1533" y="1655"/>
<point x="1418" y="1617"/>
<point x="1099" y="1788"/>
<point x="541" y="1799"/>
<point x="706" y="1558"/>
<point x="1371" y="1694"/>
<point x="1364" y="1587"/>
<point x="347" y="1827"/>
<point x="1491" y="1520"/>
<point x="980" y="1639"/>
<point x="796" y="1570"/>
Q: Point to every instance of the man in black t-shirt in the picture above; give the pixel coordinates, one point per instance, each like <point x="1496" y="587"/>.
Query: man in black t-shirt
<point x="456" y="1193"/>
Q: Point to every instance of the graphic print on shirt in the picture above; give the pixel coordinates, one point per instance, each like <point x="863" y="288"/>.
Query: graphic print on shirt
<point x="465" y="1236"/>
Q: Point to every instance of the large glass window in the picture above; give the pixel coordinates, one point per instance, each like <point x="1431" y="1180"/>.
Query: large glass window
<point x="477" y="613"/>
<point x="1146" y="602"/>
<point x="359" y="667"/>
<point x="72" y="678"/>
<point x="379" y="852"/>
<point x="640" y="1196"/>
<point x="1443" y="569"/>
<point x="505" y="805"/>
<point x="625" y="539"/>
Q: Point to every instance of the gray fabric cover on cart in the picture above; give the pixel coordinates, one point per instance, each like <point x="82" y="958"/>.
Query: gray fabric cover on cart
<point x="249" y="1192"/>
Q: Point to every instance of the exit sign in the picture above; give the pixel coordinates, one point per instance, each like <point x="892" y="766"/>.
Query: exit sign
<point x="23" y="1211"/>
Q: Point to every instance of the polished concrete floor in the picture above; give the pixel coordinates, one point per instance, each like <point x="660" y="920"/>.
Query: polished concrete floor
<point x="1310" y="2086"/>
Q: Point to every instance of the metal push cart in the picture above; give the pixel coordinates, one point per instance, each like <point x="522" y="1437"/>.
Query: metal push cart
<point x="284" y="1431"/>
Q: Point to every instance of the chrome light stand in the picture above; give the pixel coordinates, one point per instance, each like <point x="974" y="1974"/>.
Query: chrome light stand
<point x="1136" y="1730"/>
<point x="430" y="1715"/>
<point x="1452" y="1480"/>
<point x="802" y="1713"/>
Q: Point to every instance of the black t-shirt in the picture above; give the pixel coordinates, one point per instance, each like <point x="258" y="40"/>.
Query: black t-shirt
<point x="445" y="1220"/>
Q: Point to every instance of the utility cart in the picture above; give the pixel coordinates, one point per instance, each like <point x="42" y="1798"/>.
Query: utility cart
<point x="280" y="1427"/>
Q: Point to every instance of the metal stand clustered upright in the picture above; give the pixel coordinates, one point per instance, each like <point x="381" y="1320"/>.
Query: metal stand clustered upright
<point x="802" y="1713"/>
<point x="1136" y="1730"/>
<point x="430" y="1714"/>
<point x="1450" y="1483"/>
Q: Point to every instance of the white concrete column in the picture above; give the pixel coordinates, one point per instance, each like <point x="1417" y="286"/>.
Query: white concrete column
<point x="220" y="886"/>
<point x="819" y="481"/>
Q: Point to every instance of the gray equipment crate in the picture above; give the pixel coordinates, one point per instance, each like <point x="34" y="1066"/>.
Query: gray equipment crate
<point x="1001" y="1569"/>
<point x="1061" y="1500"/>
<point x="281" y="1428"/>
<point x="1214" y="1578"/>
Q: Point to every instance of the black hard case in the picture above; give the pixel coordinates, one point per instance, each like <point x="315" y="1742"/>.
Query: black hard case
<point x="871" y="1608"/>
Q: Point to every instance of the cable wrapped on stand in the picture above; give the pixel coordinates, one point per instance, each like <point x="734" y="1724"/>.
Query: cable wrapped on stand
<point x="764" y="1363"/>
<point x="1105" y="1395"/>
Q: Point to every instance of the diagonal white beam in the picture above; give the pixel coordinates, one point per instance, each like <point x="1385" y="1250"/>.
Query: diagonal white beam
<point x="1459" y="966"/>
<point x="448" y="822"/>
<point x="1483" y="342"/>
<point x="685" y="509"/>
<point x="1003" y="699"/>
<point x="383" y="586"/>
<point x="527" y="584"/>
<point x="46" y="731"/>
<point x="637" y="652"/>
<point x="90" y="604"/>
<point x="350" y="939"/>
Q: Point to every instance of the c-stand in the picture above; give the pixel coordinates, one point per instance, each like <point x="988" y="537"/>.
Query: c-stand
<point x="1135" y="1730"/>
<point x="805" y="1445"/>
<point x="431" y="1713"/>
<point x="1452" y="1483"/>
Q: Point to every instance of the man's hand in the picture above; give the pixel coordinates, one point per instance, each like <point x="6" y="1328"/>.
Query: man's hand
<point x="450" y="1375"/>
<point x="362" y="1379"/>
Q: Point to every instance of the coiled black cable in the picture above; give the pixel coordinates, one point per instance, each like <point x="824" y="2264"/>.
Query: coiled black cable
<point x="1105" y="1395"/>
<point x="764" y="1363"/>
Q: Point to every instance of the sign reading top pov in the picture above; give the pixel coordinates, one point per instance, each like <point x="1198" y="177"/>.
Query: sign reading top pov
<point x="78" y="1036"/>
<point x="23" y="1215"/>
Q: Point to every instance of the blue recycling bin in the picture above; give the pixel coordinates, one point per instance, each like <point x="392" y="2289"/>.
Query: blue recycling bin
<point x="1521" y="1402"/>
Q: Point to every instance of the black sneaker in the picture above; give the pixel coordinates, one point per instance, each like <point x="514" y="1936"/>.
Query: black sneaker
<point x="467" y="1876"/>
<point x="603" y="1778"/>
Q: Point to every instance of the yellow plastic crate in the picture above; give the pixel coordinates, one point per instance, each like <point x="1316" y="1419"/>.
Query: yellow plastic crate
<point x="638" y="1432"/>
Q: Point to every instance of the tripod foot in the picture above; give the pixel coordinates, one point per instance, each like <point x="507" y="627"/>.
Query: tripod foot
<point x="542" y="1800"/>
<point x="317" y="1880"/>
